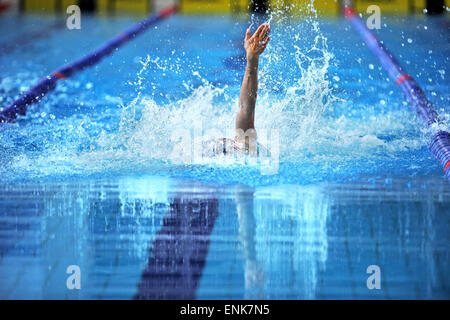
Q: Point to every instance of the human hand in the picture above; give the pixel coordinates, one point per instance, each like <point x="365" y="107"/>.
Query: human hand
<point x="255" y="45"/>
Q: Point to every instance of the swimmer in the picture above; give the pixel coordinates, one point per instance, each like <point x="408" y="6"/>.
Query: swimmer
<point x="245" y="140"/>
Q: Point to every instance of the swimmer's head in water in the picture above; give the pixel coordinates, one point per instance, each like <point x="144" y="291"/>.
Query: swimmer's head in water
<point x="230" y="147"/>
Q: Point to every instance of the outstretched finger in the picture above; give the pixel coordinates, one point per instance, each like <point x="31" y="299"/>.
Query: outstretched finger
<point x="266" y="33"/>
<point x="247" y="34"/>
<point x="260" y="30"/>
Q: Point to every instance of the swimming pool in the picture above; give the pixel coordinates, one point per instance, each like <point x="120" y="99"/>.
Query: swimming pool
<point x="96" y="174"/>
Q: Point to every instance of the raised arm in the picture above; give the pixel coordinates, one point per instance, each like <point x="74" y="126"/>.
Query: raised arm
<point x="254" y="47"/>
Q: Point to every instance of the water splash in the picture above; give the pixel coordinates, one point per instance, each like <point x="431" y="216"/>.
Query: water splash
<point x="297" y="97"/>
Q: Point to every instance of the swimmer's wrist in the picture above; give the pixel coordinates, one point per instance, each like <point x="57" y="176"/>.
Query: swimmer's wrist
<point x="252" y="57"/>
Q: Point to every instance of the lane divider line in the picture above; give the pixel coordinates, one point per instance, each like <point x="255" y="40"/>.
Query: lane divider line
<point x="403" y="78"/>
<point x="59" y="75"/>
<point x="47" y="84"/>
<point x="439" y="138"/>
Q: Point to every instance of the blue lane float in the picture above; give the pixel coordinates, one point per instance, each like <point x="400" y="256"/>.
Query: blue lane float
<point x="47" y="84"/>
<point x="439" y="139"/>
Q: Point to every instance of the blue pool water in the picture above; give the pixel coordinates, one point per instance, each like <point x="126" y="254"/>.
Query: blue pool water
<point x="97" y="174"/>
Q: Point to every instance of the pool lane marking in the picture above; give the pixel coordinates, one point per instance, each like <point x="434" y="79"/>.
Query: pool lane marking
<point x="59" y="75"/>
<point x="191" y="234"/>
<point x="33" y="95"/>
<point x="124" y="37"/>
<point x="349" y="12"/>
<point x="403" y="78"/>
<point x="440" y="141"/>
<point x="167" y="11"/>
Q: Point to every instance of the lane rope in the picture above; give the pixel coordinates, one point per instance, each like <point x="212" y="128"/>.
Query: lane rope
<point x="439" y="139"/>
<point x="47" y="84"/>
